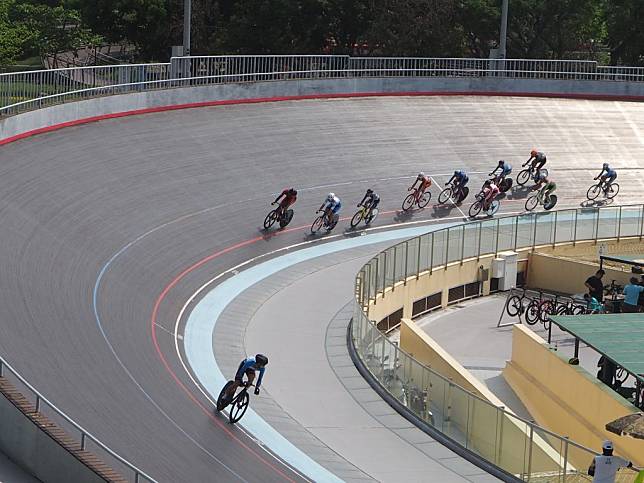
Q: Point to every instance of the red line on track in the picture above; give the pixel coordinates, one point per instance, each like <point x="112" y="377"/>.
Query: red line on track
<point x="555" y="95"/>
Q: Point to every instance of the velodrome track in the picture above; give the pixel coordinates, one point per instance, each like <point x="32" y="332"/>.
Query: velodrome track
<point x="126" y="206"/>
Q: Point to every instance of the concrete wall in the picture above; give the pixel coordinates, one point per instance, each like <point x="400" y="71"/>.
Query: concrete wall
<point x="481" y="420"/>
<point x="29" y="447"/>
<point x="564" y="398"/>
<point x="73" y="111"/>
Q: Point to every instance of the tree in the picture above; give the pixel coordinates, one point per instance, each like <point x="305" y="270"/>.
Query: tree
<point x="12" y="35"/>
<point x="480" y="21"/>
<point x="625" y="34"/>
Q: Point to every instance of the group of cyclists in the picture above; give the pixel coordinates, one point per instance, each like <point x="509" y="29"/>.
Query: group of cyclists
<point x="498" y="182"/>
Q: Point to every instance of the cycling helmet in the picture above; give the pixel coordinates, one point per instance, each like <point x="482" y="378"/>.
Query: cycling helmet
<point x="261" y="360"/>
<point x="421" y="175"/>
<point x="605" y="165"/>
<point x="501" y="162"/>
<point x="369" y="191"/>
<point x="292" y="192"/>
<point x="330" y="196"/>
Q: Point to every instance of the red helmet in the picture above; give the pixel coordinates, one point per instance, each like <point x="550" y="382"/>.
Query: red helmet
<point x="533" y="152"/>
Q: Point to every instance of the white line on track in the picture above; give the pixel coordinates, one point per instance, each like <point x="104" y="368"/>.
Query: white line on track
<point x="454" y="204"/>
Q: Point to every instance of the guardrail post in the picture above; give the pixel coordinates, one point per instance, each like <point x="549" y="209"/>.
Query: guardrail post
<point x="463" y="244"/>
<point x="496" y="247"/>
<point x="565" y="462"/>
<point x="447" y="249"/>
<point x="641" y="222"/>
<point x="534" y="231"/>
<point x="478" y="251"/>
<point x="596" y="227"/>
<point x="530" y="452"/>
<point x="375" y="279"/>
<point x="406" y="261"/>
<point x="393" y="270"/>
<point x="37" y="403"/>
<point x="619" y="223"/>
<point x="431" y="256"/>
<point x="1" y="369"/>
<point x="82" y="441"/>
<point x="384" y="272"/>
<point x="516" y="232"/>
<point x="418" y="257"/>
<point x="554" y="235"/>
<point x="574" y="236"/>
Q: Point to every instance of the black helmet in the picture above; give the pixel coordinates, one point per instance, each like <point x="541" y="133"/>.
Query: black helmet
<point x="501" y="162"/>
<point x="292" y="191"/>
<point x="261" y="360"/>
<point x="369" y="191"/>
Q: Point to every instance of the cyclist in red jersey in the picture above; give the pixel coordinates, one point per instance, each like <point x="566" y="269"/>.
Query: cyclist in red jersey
<point x="424" y="183"/>
<point x="289" y="196"/>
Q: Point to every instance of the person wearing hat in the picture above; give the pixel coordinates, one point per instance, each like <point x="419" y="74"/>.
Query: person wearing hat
<point x="605" y="466"/>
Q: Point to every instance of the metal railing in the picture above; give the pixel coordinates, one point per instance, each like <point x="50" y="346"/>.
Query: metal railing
<point x="23" y="91"/>
<point x="84" y="437"/>
<point x="532" y="453"/>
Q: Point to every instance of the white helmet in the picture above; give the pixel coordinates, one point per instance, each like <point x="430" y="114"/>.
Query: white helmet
<point x="421" y="175"/>
<point x="330" y="196"/>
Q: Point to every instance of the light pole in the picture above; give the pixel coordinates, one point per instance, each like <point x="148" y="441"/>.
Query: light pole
<point x="504" y="29"/>
<point x="187" y="13"/>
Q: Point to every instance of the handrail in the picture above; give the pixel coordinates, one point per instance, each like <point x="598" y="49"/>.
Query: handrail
<point x="33" y="89"/>
<point x="422" y="254"/>
<point x="138" y="474"/>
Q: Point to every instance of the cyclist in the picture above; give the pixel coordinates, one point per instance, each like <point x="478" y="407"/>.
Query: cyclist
<point x="331" y="206"/>
<point x="460" y="179"/>
<point x="505" y="169"/>
<point x="490" y="191"/>
<point x="546" y="186"/>
<point x="538" y="160"/>
<point x="424" y="183"/>
<point x="370" y="200"/>
<point x="289" y="196"/>
<point x="248" y="367"/>
<point x="607" y="178"/>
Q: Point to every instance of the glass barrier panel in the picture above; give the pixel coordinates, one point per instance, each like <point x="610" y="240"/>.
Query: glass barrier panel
<point x="630" y="222"/>
<point x="455" y="243"/>
<point x="608" y="222"/>
<point x="525" y="230"/>
<point x="488" y="237"/>
<point x="430" y="407"/>
<point x="457" y="414"/>
<point x="380" y="272"/>
<point x="472" y="235"/>
<point x="439" y="252"/>
<point x="545" y="228"/>
<point x="412" y="256"/>
<point x="400" y="267"/>
<point x="514" y="445"/>
<point x="373" y="280"/>
<point x="547" y="456"/>
<point x="565" y="226"/>
<point x="437" y="396"/>
<point x="415" y="393"/>
<point x="390" y="254"/>
<point x="578" y="459"/>
<point x="586" y="223"/>
<point x="482" y="433"/>
<point x="507" y="230"/>
<point x="426" y="242"/>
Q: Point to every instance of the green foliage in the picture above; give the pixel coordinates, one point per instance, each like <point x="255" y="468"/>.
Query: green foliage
<point x="624" y="24"/>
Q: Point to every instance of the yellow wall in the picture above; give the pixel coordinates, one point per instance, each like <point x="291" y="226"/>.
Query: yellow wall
<point x="564" y="398"/>
<point x="478" y="420"/>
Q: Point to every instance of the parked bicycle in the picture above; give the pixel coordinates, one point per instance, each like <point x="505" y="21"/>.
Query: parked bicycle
<point x="239" y="402"/>
<point x="278" y="214"/>
<point x="538" y="198"/>
<point x="419" y="198"/>
<point x="367" y="214"/>
<point x="323" y="221"/>
<point x="516" y="304"/>
<point x="529" y="173"/>
<point x="609" y="190"/>
<point x="539" y="311"/>
<point x="489" y="207"/>
<point x="455" y="195"/>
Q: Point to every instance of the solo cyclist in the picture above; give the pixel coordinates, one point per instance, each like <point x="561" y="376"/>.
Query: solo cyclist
<point x="248" y="367"/>
<point x="370" y="200"/>
<point x="609" y="176"/>
<point x="289" y="196"/>
<point x="331" y="207"/>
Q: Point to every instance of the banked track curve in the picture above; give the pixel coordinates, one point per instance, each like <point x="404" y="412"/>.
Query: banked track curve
<point x="138" y="200"/>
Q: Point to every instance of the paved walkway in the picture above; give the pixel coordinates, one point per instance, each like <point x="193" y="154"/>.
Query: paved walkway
<point x="313" y="394"/>
<point x="12" y="473"/>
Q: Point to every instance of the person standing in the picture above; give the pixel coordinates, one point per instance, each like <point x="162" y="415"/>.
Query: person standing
<point x="605" y="466"/>
<point x="632" y="293"/>
<point x="595" y="285"/>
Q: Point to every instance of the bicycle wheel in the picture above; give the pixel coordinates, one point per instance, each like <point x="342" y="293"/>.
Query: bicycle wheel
<point x="593" y="191"/>
<point x="373" y="214"/>
<point x="317" y="224"/>
<point x="238" y="409"/>
<point x="408" y="202"/>
<point x="532" y="312"/>
<point x="514" y="306"/>
<point x="331" y="226"/>
<point x="222" y="401"/>
<point x="563" y="310"/>
<point x="357" y="218"/>
<point x="270" y="219"/>
<point x="550" y="203"/>
<point x="494" y="207"/>
<point x="524" y="176"/>
<point x="532" y="202"/>
<point x="612" y="191"/>
<point x="286" y="219"/>
<point x="445" y="195"/>
<point x="463" y="194"/>
<point x="475" y="208"/>
<point x="424" y="199"/>
<point x="546" y="309"/>
<point x="578" y="310"/>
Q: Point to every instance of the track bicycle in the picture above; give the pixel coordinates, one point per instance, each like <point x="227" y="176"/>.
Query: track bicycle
<point x="538" y="198"/>
<point x="238" y="403"/>
<point x="278" y="214"/>
<point x="609" y="190"/>
<point x="322" y="221"/>
<point x="365" y="213"/>
<point x="529" y="173"/>
<point x="490" y="208"/>
<point x="455" y="195"/>
<point x="420" y="198"/>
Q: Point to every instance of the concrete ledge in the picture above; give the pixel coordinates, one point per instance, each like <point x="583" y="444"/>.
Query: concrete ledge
<point x="62" y="115"/>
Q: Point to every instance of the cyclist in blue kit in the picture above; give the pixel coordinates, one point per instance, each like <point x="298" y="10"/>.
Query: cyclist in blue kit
<point x="248" y="367"/>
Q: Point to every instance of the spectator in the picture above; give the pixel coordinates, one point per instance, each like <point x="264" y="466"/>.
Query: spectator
<point x="604" y="467"/>
<point x="595" y="286"/>
<point x="632" y="293"/>
<point x="640" y="300"/>
<point x="592" y="304"/>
